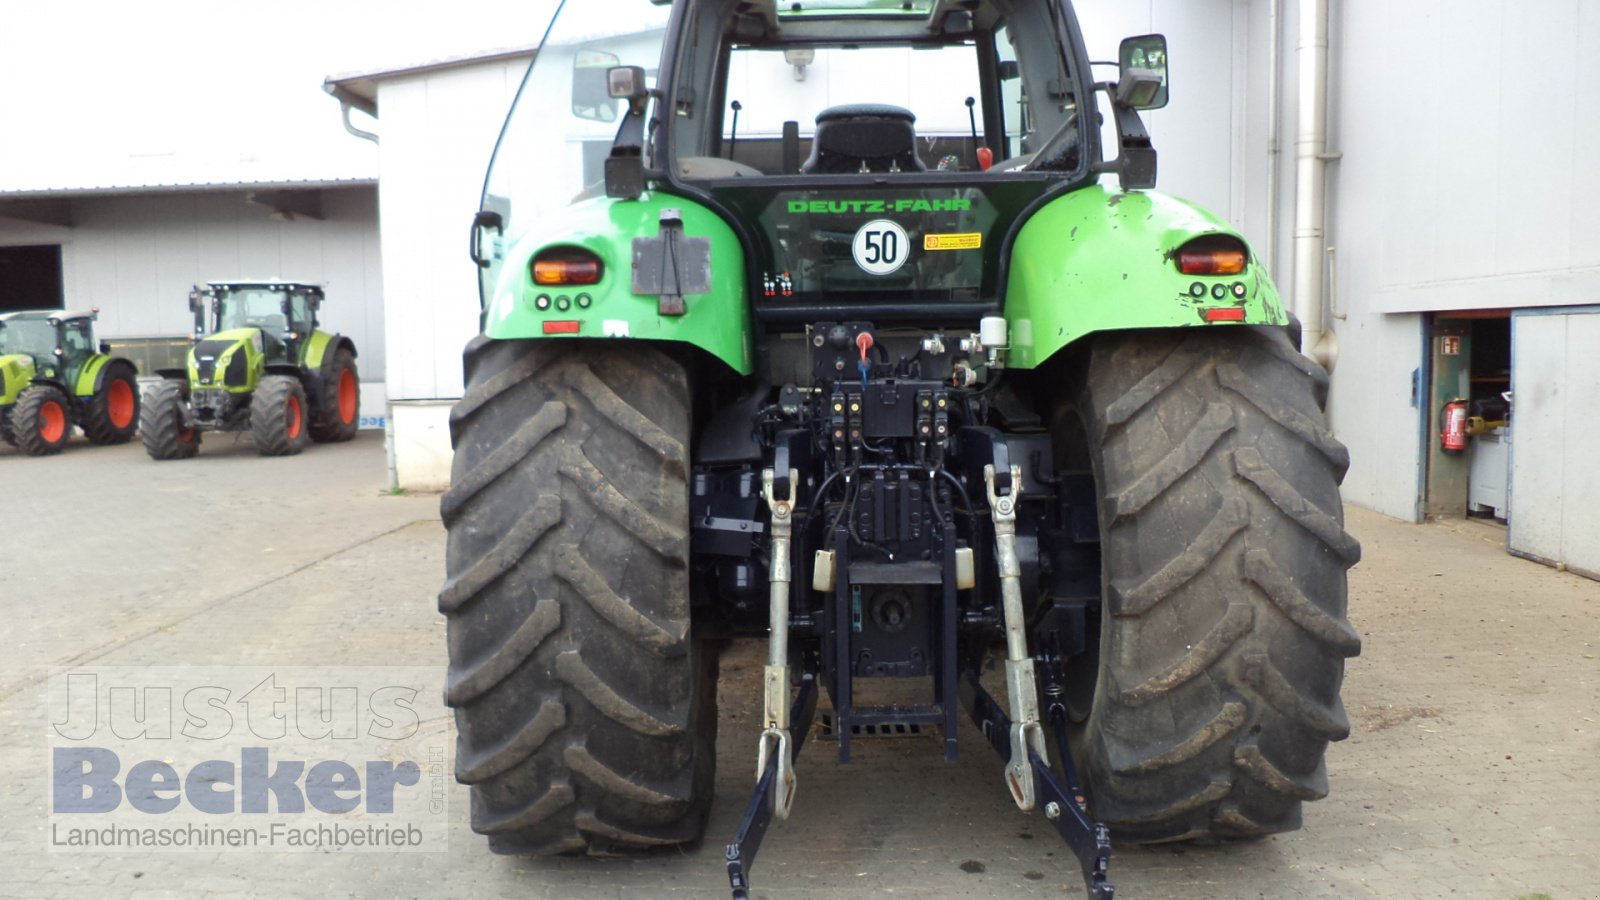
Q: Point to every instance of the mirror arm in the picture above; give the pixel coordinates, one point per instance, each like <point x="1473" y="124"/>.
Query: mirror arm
<point x="625" y="172"/>
<point x="1135" y="164"/>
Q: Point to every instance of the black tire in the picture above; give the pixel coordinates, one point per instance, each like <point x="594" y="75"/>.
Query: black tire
<point x="161" y="426"/>
<point x="586" y="714"/>
<point x="339" y="407"/>
<point x="112" y="415"/>
<point x="6" y="434"/>
<point x="1224" y="557"/>
<point x="42" y="420"/>
<point x="279" y="418"/>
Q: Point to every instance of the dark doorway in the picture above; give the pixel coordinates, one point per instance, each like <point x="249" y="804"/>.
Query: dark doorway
<point x="30" y="277"/>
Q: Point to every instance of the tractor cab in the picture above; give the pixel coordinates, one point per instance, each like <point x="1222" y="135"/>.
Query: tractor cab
<point x="59" y="344"/>
<point x="283" y="313"/>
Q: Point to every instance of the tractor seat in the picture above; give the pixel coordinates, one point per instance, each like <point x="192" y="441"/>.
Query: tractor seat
<point x="868" y="137"/>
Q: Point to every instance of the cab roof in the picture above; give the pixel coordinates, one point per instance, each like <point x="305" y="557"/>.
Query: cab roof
<point x="47" y="315"/>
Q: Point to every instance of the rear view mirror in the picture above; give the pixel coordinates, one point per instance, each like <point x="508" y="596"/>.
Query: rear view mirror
<point x="626" y="83"/>
<point x="591" y="95"/>
<point x="1142" y="72"/>
<point x="194" y="301"/>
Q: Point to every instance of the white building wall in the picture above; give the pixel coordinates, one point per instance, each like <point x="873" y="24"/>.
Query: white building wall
<point x="438" y="130"/>
<point x="1462" y="184"/>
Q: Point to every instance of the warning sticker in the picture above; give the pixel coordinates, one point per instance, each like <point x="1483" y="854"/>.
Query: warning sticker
<point x="972" y="241"/>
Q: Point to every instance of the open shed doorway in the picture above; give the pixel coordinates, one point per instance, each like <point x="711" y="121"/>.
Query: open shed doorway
<point x="30" y="277"/>
<point x="1471" y="364"/>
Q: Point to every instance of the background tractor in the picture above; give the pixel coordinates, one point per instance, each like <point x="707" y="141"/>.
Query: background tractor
<point x="53" y="376"/>
<point x="259" y="364"/>
<point x="944" y="403"/>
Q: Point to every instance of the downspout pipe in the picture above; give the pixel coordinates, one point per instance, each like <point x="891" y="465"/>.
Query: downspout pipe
<point x="348" y="101"/>
<point x="1310" y="202"/>
<point x="1274" y="130"/>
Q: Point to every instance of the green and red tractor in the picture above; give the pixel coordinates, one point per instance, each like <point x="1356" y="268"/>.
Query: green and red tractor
<point x="54" y="376"/>
<point x="259" y="365"/>
<point x="947" y="406"/>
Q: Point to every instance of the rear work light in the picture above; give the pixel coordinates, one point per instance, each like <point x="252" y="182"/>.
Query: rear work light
<point x="560" y="266"/>
<point x="1214" y="254"/>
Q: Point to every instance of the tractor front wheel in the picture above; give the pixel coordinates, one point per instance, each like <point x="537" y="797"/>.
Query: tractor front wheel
<point x="42" y="420"/>
<point x="1224" y="552"/>
<point x="340" y="404"/>
<point x="6" y="434"/>
<point x="585" y="710"/>
<point x="113" y="413"/>
<point x="278" y="420"/>
<point x="161" y="426"/>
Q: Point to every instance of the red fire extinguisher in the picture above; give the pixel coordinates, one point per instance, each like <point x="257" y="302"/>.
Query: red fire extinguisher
<point x="1453" y="434"/>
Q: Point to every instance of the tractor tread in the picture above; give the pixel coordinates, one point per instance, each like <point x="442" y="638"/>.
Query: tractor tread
<point x="325" y="424"/>
<point x="1217" y="421"/>
<point x="1315" y="621"/>
<point x="1254" y="468"/>
<point x="1224" y="555"/>
<point x="1304" y="426"/>
<point x="1195" y="558"/>
<point x="541" y="425"/>
<point x="25" y="423"/>
<point x="471" y="681"/>
<point x="572" y="670"/>
<point x="1254" y="763"/>
<point x="1227" y="721"/>
<point x="543" y="515"/>
<point x="1235" y="624"/>
<point x="160" y="423"/>
<point x="592" y="586"/>
<point x="272" y="424"/>
<point x="591" y="727"/>
<point x="97" y="424"/>
<point x="500" y="757"/>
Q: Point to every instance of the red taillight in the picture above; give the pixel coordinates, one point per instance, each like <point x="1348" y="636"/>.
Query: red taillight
<point x="1225" y="314"/>
<point x="560" y="266"/>
<point x="1213" y="254"/>
<point x="1211" y="262"/>
<point x="567" y="327"/>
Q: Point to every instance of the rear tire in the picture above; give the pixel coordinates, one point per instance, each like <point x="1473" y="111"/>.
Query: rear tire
<point x="586" y="712"/>
<point x="113" y="413"/>
<point x="42" y="420"/>
<point x="278" y="416"/>
<point x="339" y="408"/>
<point x="1224" y="555"/>
<point x="161" y="425"/>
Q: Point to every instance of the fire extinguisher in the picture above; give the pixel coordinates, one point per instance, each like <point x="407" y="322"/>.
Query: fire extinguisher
<point x="1453" y="434"/>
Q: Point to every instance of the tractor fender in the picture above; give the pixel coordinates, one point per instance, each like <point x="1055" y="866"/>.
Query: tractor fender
<point x="322" y="347"/>
<point x="16" y="373"/>
<point x="717" y="322"/>
<point x="1099" y="259"/>
<point x="92" y="377"/>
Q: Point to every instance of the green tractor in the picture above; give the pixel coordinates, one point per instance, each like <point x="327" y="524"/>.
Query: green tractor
<point x="259" y="365"/>
<point x="53" y="375"/>
<point x="947" y="405"/>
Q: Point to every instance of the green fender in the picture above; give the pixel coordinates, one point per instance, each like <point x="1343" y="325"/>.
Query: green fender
<point x="316" y="348"/>
<point x="717" y="322"/>
<point x="1103" y="260"/>
<point x="244" y="340"/>
<point x="93" y="373"/>
<point x="16" y="373"/>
